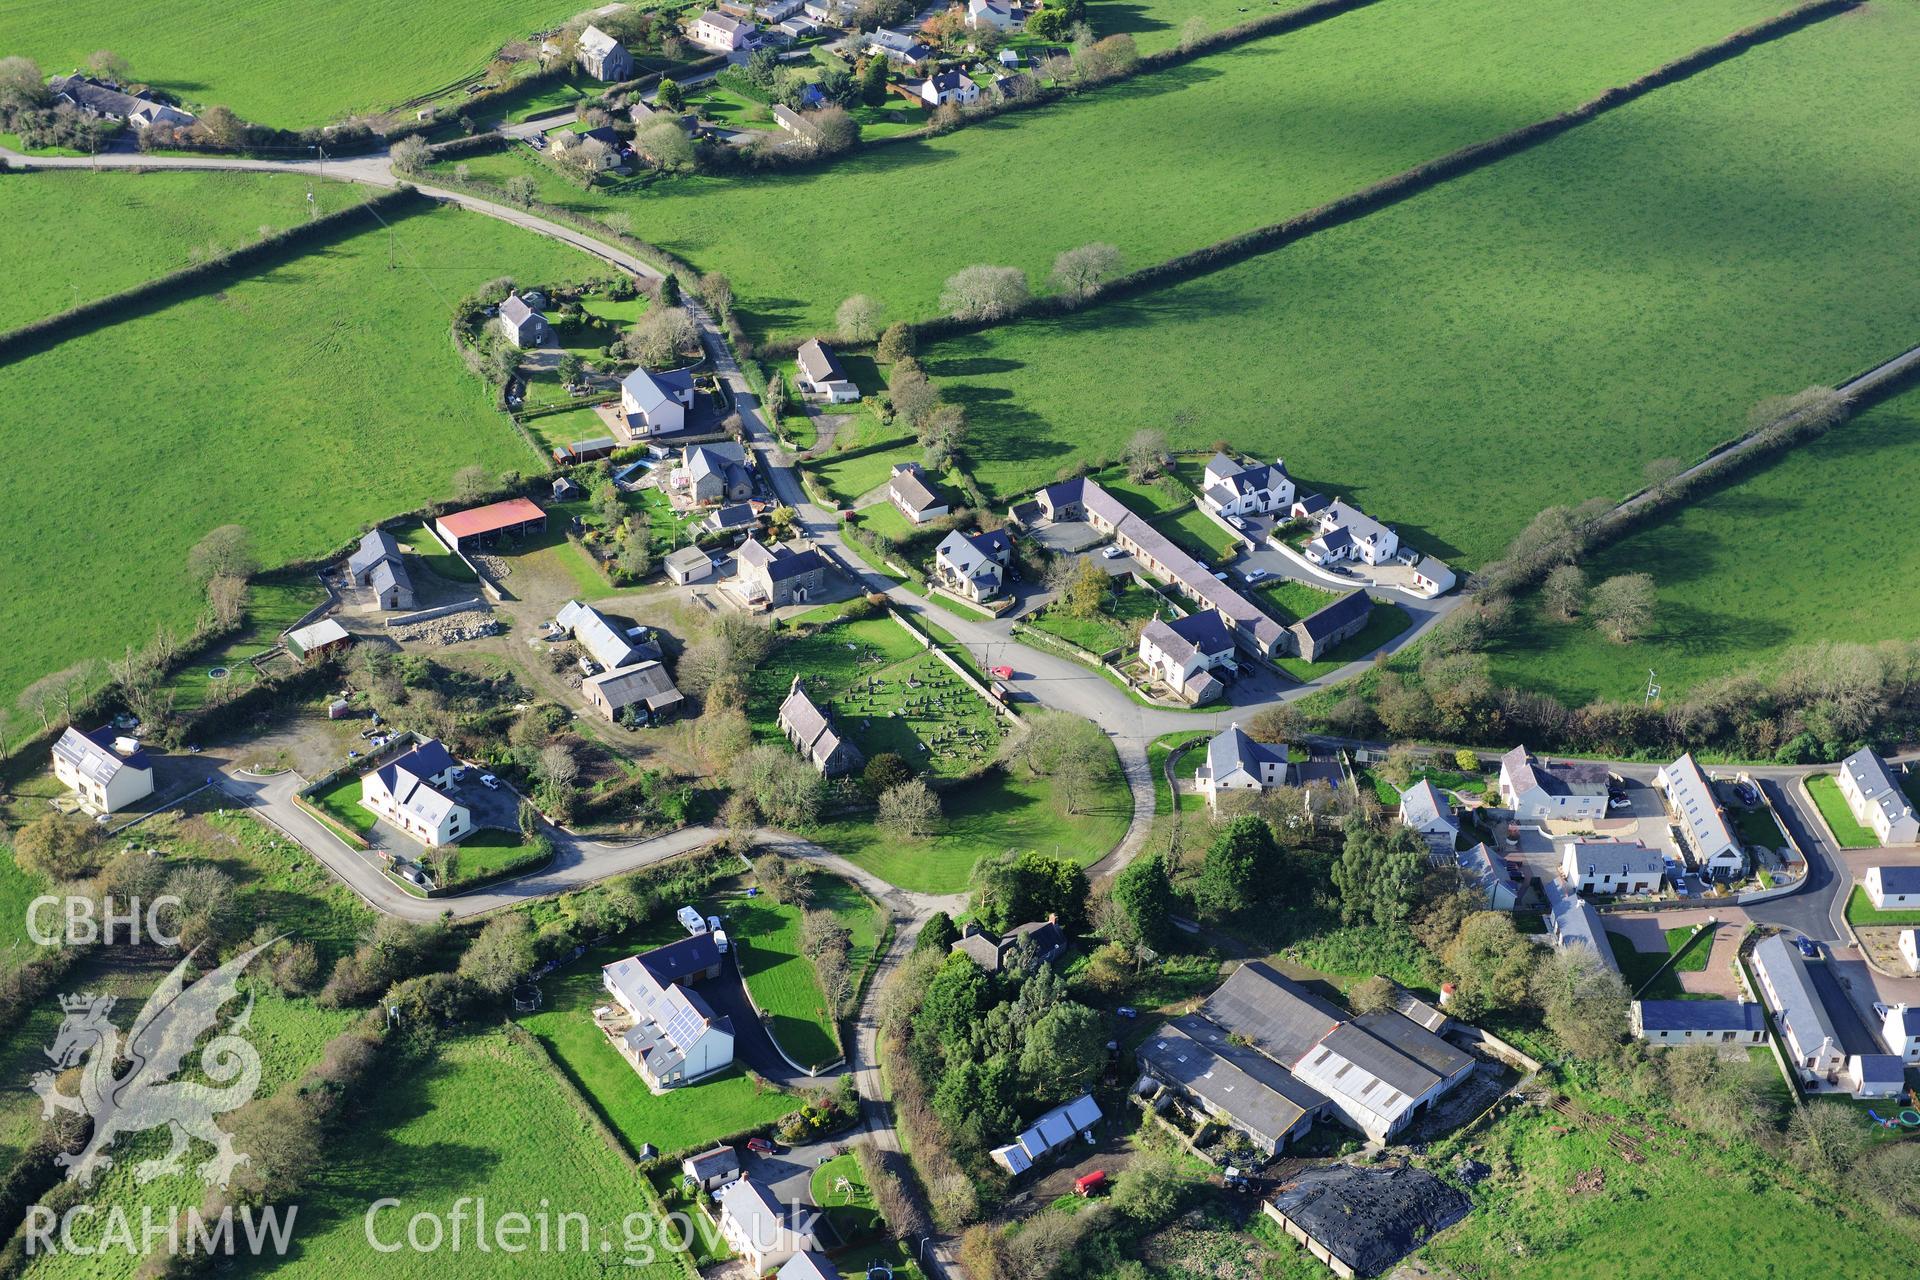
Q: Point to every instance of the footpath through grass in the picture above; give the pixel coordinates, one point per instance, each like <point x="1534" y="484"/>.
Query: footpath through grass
<point x="1620" y="294"/>
<point x="1157" y="165"/>
<point x="334" y="400"/>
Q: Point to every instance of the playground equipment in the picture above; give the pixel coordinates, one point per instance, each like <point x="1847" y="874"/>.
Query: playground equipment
<point x="1907" y="1117"/>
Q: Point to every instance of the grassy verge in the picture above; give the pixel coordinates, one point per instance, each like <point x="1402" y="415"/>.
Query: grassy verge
<point x="1847" y="831"/>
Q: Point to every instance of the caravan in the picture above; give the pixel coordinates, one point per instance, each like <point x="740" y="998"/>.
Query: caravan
<point x="692" y="921"/>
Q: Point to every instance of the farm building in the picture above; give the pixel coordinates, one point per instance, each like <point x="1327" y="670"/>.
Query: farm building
<point x="1236" y="1086"/>
<point x="1537" y="792"/>
<point x="1360" y="1222"/>
<point x="1699" y="1022"/>
<point x="675" y="1037"/>
<point x="1893" y="888"/>
<point x="1235" y="762"/>
<point x="1315" y="635"/>
<point x="318" y="641"/>
<point x="763" y="1232"/>
<point x="1053" y="1131"/>
<point x="107" y="771"/>
<point x="820" y="374"/>
<point x="1875" y="796"/>
<point x="378" y="566"/>
<point x="513" y="518"/>
<point x="909" y="490"/>
<point x="644" y="692"/>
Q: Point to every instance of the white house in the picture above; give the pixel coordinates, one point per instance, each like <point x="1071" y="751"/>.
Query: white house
<point x="908" y="489"/>
<point x="973" y="565"/>
<point x="1235" y="762"/>
<point x="1537" y="792"/>
<point x="899" y="46"/>
<point x="675" y="1037"/>
<point x="1184" y="653"/>
<point x="1806" y="1032"/>
<point x="1910" y="948"/>
<point x="763" y="1232"/>
<point x="603" y="57"/>
<point x="411" y="792"/>
<point x="1348" y="533"/>
<point x="820" y="375"/>
<point x="1432" y="577"/>
<point x="1876" y="798"/>
<point x="1875" y="1075"/>
<point x="939" y="89"/>
<point x="1607" y="866"/>
<point x="1424" y="810"/>
<point x="1893" y="888"/>
<point x="998" y="14"/>
<point x="1900" y="1028"/>
<point x="1703" y="824"/>
<point x="107" y="771"/>
<point x="1231" y="489"/>
<point x="1698" y="1022"/>
<point x="721" y="32"/>
<point x="656" y="403"/>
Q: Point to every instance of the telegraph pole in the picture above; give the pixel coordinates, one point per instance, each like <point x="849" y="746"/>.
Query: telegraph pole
<point x="1653" y="687"/>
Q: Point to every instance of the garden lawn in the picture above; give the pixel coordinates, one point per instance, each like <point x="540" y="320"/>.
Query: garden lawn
<point x="1204" y="540"/>
<point x="1846" y="828"/>
<point x="273" y="606"/>
<point x="1637" y="967"/>
<point x="986" y="816"/>
<point x="491" y="852"/>
<point x="676" y="1121"/>
<point x="1860" y="910"/>
<point x="1695" y="960"/>
<point x="280" y="64"/>
<point x="1158" y="165"/>
<point x="335" y="401"/>
<point x="73" y="214"/>
<point x="1388" y="621"/>
<point x="1288" y="599"/>
<point x="766" y="939"/>
<point x="862" y="918"/>
<point x="341" y="802"/>
<point x="1622" y="293"/>
<point x="1743" y="574"/>
<point x="851" y="1210"/>
<point x="1107" y="630"/>
<point x="847" y="476"/>
<point x="484" y="1117"/>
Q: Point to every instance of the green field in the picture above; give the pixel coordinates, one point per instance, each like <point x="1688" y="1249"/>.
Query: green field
<point x="273" y="606"/>
<point x="433" y="554"/>
<point x="482" y="1117"/>
<point x="781" y="979"/>
<point x="849" y="475"/>
<point x="1157" y="165"/>
<point x="334" y="400"/>
<point x="1847" y="830"/>
<point x="74" y="214"/>
<point x="1533" y="332"/>
<point x="677" y="1120"/>
<point x="283" y="66"/>
<point x="18" y="887"/>
<point x="1744" y="573"/>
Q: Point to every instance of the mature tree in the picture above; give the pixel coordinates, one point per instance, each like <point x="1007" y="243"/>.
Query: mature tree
<point x="718" y="662"/>
<point x="1374" y="995"/>
<point x="1012" y="890"/>
<point x="569" y="368"/>
<point x="1892" y="1177"/>
<point x="885" y="770"/>
<point x="1276" y="722"/>
<point x="1079" y="273"/>
<point x="896" y="344"/>
<point x="956" y="995"/>
<point x="1235" y="865"/>
<point x="226" y="551"/>
<point x="1467" y="760"/>
<point x="1584" y="1001"/>
<point x="636" y="549"/>
<point x="1144" y="892"/>
<point x="1491" y="962"/>
<point x="21" y="84"/>
<point x="502" y="955"/>
<point x="1399" y="766"/>
<point x="1803" y="413"/>
<point x="785" y="788"/>
<point x="1565" y="591"/>
<point x="873" y="81"/>
<point x="663" y="337"/>
<point x="59" y="846"/>
<point x="470" y="483"/>
<point x="717" y="291"/>
<point x="983" y="292"/>
<point x="108" y="65"/>
<point x="1622" y="606"/>
<point x="1146" y="453"/>
<point x="835" y="132"/>
<point x="1064" y="1052"/>
<point x="1105" y="59"/>
<point x="1661" y="473"/>
<point x="1192" y="32"/>
<point x="665" y="145"/>
<point x="1086" y="591"/>
<point x="1378" y="874"/>
<point x="226" y="601"/>
<point x="410" y="155"/>
<point x="1826" y="1138"/>
<point x="913" y="393"/>
<point x="858" y="318"/>
<point x="1151" y="1189"/>
<point x="938" y="934"/>
<point x="910" y="811"/>
<point x="521" y="189"/>
<point x="669" y="96"/>
<point x="557" y="767"/>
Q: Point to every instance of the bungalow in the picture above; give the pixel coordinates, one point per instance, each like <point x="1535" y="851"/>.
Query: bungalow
<point x="762" y="1232"/>
<point x="812" y="734"/>
<point x="688" y="564"/>
<point x="1910" y="948"/>
<point x="717" y="472"/>
<point x="908" y="489"/>
<point x="378" y="566"/>
<point x="998" y="14"/>
<point x="1322" y="631"/>
<point x="799" y="126"/>
<point x="973" y="565"/>
<point x="1489" y="875"/>
<point x="1432" y="577"/>
<point x="1704" y="830"/>
<point x="106" y="771"/>
<point x="1893" y="888"/>
<point x="709" y="1169"/>
<point x="721" y="32"/>
<point x="1607" y="866"/>
<point x="1240" y="1088"/>
<point x="1875" y="796"/>
<point x="735" y="517"/>
<point x="1184" y="653"/>
<point x="943" y="87"/>
<point x="318" y="641"/>
<point x="675" y="1038"/>
<point x="1235" y="762"/>
<point x="820" y="375"/>
<point x="566" y="139"/>
<point x="1348" y="533"/>
<point x="104" y="100"/>
<point x="1875" y="1075"/>
<point x="1806" y="1032"/>
<point x="1048" y="942"/>
<point x="603" y="57"/>
<point x="779" y="574"/>
<point x="1231" y="489"/>
<point x="1051" y="1132"/>
<point x="411" y="792"/>
<point x="1698" y="1022"/>
<point x="1426" y="812"/>
<point x="1900" y="1028"/>
<point x="656" y="403"/>
<point x="899" y="46"/>
<point x="524" y="326"/>
<point x="1537" y="792"/>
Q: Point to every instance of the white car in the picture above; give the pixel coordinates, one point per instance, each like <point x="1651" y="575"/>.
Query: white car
<point x="1111" y="553"/>
<point x="1252" y="576"/>
<point x="490" y="782"/>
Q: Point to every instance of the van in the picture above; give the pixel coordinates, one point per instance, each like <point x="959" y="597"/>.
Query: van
<point x="720" y="941"/>
<point x="692" y="921"/>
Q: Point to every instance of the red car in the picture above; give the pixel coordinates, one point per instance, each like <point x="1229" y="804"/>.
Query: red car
<point x="1002" y="673"/>
<point x="760" y="1146"/>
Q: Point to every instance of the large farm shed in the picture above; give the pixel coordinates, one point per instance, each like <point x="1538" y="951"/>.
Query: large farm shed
<point x="1362" y="1221"/>
<point x="515" y="516"/>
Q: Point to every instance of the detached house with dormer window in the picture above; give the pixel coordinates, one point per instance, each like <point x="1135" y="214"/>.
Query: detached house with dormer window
<point x="412" y="793"/>
<point x="1230" y="489"/>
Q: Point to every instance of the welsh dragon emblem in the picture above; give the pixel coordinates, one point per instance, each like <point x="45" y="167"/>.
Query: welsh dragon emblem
<point x="154" y="1049"/>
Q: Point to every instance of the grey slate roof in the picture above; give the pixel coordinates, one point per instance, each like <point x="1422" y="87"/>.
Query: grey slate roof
<point x="1272" y="1012"/>
<point x="1900" y="880"/>
<point x="1231" y="750"/>
<point x="599" y="637"/>
<point x="1557" y="780"/>
<point x="808" y="1265"/>
<point x="1325" y="621"/>
<point x="1576" y="923"/>
<point x="1800" y="1010"/>
<point x="1185" y="638"/>
<point x="516" y="312"/>
<point x="647" y="682"/>
<point x="1693" y="801"/>
<point x="1616" y="858"/>
<point x="1259" y="1093"/>
<point x="376" y="545"/>
<point x="908" y="486"/>
<point x="677" y="960"/>
<point x="1700" y="1015"/>
<point x="816" y="359"/>
<point x="1876" y="782"/>
<point x="1882" y="1069"/>
<point x="1422" y="805"/>
<point x="719" y="1161"/>
<point x="92" y="754"/>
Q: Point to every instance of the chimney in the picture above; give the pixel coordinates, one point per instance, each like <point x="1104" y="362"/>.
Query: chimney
<point x="1053" y="917"/>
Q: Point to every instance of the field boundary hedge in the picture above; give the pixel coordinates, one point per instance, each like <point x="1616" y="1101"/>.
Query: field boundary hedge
<point x="150" y="295"/>
<point x="1401" y="186"/>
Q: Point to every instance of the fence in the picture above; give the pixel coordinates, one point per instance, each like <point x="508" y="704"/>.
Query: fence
<point x="928" y="643"/>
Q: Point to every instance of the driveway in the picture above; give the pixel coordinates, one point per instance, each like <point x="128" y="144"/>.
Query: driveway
<point x="751" y="1043"/>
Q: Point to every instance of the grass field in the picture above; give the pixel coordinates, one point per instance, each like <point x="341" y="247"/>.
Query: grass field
<point x="1160" y="164"/>
<point x="849" y="475"/>
<point x="673" y="1121"/>
<point x="273" y="606"/>
<point x="433" y="554"/>
<point x="1622" y="293"/>
<point x="782" y="979"/>
<point x="18" y="887"/>
<point x="73" y="214"/>
<point x="334" y="400"/>
<point x="483" y="1117"/>
<point x="1743" y="574"/>
<point x="1860" y="910"/>
<point x="1847" y="829"/>
<point x="286" y="66"/>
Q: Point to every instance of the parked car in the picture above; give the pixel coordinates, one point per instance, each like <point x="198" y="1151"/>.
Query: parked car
<point x="760" y="1146"/>
<point x="1808" y="947"/>
<point x="1619" y="802"/>
<point x="713" y="924"/>
<point x="1748" y="794"/>
<point x="490" y="782"/>
<point x="1252" y="576"/>
<point x="1111" y="553"/>
<point x="1127" y="1011"/>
